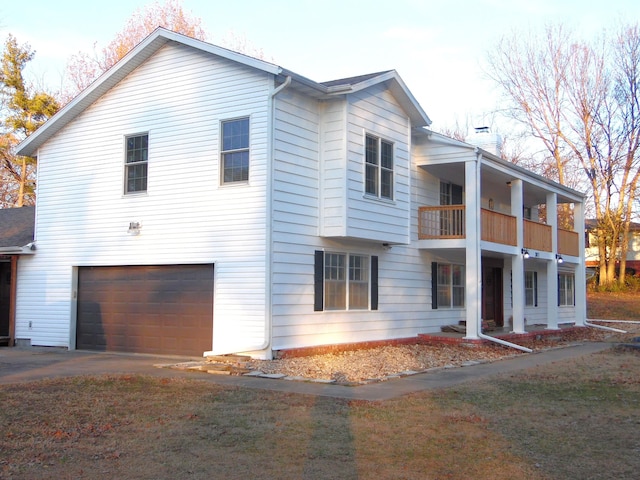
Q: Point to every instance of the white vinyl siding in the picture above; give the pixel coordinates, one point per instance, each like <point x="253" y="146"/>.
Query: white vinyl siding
<point x="347" y="208"/>
<point x="185" y="217"/>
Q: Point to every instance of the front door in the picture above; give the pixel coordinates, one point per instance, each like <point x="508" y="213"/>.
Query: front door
<point x="492" y="309"/>
<point x="5" y="297"/>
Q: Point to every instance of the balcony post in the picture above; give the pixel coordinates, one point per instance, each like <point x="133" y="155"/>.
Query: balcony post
<point x="473" y="267"/>
<point x="552" y="266"/>
<point x="517" y="261"/>
<point x="580" y="273"/>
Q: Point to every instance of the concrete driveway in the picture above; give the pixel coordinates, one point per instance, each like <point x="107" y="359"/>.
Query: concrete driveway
<point x="20" y="365"/>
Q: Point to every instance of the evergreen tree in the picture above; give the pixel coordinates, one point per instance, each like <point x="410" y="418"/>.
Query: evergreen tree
<point x="23" y="110"/>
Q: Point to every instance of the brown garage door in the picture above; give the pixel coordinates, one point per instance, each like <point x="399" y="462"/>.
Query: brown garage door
<point x="164" y="309"/>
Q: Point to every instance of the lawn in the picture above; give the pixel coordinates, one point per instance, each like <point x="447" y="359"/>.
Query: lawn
<point x="613" y="306"/>
<point x="576" y="419"/>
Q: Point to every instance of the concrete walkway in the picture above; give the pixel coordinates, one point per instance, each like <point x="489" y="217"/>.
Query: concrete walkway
<point x="20" y="365"/>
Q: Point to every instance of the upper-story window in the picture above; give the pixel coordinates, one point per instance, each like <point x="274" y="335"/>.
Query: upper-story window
<point x="136" y="162"/>
<point x="378" y="167"/>
<point x="235" y="150"/>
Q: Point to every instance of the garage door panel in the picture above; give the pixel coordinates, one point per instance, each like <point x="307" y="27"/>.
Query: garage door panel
<point x="146" y="309"/>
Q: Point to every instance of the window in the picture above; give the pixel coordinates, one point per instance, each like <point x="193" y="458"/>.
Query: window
<point x="136" y="160"/>
<point x="566" y="290"/>
<point x="448" y="283"/>
<point x="378" y="167"/>
<point x="235" y="151"/>
<point x="450" y="194"/>
<point x="531" y="289"/>
<point x="345" y="281"/>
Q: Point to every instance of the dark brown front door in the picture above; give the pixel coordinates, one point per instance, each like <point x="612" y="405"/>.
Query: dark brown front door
<point x="5" y="297"/>
<point x="492" y="308"/>
<point x="165" y="309"/>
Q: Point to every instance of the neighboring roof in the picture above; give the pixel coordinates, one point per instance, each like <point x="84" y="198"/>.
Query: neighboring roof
<point x="161" y="36"/>
<point x="591" y="223"/>
<point x="16" y="229"/>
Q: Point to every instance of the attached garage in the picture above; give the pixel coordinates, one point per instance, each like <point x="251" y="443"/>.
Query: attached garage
<point x="162" y="309"/>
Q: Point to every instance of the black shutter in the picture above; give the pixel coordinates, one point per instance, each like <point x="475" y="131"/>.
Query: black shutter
<point x="434" y="285"/>
<point x="318" y="279"/>
<point x="374" y="282"/>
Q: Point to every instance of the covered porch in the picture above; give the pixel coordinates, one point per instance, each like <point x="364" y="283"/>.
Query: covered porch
<point x="525" y="225"/>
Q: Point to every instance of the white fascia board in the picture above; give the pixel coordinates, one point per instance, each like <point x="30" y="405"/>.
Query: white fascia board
<point x="399" y="90"/>
<point x="530" y="177"/>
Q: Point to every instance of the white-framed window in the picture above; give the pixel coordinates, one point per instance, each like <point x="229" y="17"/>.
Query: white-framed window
<point x="136" y="163"/>
<point x="345" y="281"/>
<point x="379" y="166"/>
<point x="566" y="290"/>
<point x="234" y="155"/>
<point x="531" y="289"/>
<point x="448" y="285"/>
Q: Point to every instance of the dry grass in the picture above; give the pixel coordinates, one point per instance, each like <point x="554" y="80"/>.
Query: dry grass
<point x="573" y="420"/>
<point x="613" y="306"/>
<point x="576" y="419"/>
<point x="137" y="427"/>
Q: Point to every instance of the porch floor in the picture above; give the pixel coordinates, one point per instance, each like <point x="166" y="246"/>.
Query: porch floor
<point x="533" y="332"/>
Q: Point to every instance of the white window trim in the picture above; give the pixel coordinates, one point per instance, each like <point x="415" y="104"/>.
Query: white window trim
<point x="347" y="281"/>
<point x="223" y="152"/>
<point x="125" y="173"/>
<point x="379" y="168"/>
<point x="562" y="288"/>
<point x="450" y="286"/>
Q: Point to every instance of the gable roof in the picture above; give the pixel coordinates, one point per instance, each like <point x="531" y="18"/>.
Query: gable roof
<point x="161" y="37"/>
<point x="16" y="229"/>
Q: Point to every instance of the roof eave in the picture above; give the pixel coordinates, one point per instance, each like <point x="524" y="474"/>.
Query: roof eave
<point x="399" y="89"/>
<point x="138" y="55"/>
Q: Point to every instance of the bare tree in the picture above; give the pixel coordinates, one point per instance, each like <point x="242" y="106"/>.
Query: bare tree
<point x="83" y="68"/>
<point x="580" y="101"/>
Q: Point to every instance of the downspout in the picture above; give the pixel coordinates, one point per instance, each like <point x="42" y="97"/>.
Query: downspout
<point x="602" y="327"/>
<point x="269" y="253"/>
<point x="481" y="335"/>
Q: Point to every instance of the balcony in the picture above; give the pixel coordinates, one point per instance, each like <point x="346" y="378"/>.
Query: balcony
<point x="568" y="243"/>
<point x="537" y="236"/>
<point x="448" y="222"/>
<point x="498" y="228"/>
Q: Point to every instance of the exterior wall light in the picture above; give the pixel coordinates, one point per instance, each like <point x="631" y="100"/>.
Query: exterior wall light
<point x="134" y="228"/>
<point x="525" y="253"/>
<point x="559" y="258"/>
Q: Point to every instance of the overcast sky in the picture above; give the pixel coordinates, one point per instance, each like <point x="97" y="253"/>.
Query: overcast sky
<point x="437" y="47"/>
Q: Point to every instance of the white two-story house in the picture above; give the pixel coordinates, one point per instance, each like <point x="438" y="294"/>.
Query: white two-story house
<point x="197" y="200"/>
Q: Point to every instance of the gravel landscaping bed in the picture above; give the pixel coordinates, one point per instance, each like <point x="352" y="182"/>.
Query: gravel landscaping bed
<point x="386" y="362"/>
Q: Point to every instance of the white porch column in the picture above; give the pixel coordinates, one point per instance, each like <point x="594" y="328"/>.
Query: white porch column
<point x="517" y="263"/>
<point x="580" y="274"/>
<point x="552" y="265"/>
<point x="473" y="269"/>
